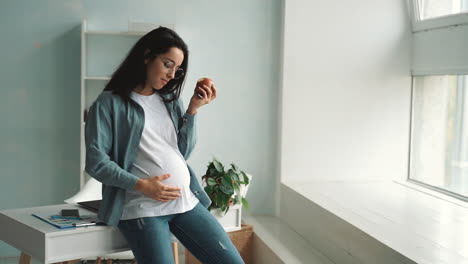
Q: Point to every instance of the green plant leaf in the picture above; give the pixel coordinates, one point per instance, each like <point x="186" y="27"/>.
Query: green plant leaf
<point x="219" y="167"/>
<point x="209" y="189"/>
<point x="238" y="199"/>
<point x="219" y="201"/>
<point x="213" y="172"/>
<point x="233" y="175"/>
<point x="235" y="168"/>
<point x="236" y="178"/>
<point x="245" y="203"/>
<point x="210" y="166"/>
<point x="222" y="200"/>
<point x="226" y="189"/>
<point x="246" y="179"/>
<point x="211" y="182"/>
<point x="236" y="188"/>
<point x="226" y="180"/>
<point x="226" y="199"/>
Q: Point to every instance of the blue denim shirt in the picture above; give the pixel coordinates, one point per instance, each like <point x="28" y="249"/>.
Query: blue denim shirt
<point x="112" y="134"/>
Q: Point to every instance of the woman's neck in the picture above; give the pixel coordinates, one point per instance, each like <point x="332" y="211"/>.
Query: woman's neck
<point x="144" y="90"/>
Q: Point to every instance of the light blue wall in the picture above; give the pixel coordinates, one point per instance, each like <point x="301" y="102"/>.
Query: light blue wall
<point x="234" y="42"/>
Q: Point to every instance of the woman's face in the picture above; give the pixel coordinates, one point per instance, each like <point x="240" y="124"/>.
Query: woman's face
<point x="163" y="68"/>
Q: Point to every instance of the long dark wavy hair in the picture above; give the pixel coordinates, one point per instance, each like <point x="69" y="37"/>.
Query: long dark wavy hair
<point x="132" y="71"/>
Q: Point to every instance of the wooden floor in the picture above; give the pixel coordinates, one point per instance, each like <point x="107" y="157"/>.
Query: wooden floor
<point x="15" y="260"/>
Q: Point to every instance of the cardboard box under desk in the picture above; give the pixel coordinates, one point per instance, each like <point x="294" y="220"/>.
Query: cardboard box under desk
<point x="242" y="239"/>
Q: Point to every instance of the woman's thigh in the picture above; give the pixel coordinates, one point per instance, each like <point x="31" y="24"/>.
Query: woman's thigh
<point x="200" y="232"/>
<point x="149" y="238"/>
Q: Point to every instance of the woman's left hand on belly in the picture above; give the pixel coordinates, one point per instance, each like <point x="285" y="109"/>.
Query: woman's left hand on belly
<point x="156" y="190"/>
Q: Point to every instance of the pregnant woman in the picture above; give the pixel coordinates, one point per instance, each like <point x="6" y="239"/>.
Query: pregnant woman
<point x="138" y="138"/>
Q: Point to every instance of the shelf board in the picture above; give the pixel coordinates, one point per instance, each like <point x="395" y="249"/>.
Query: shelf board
<point x="98" y="78"/>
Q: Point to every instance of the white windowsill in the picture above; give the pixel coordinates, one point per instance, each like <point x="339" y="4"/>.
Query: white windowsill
<point x="434" y="193"/>
<point x="423" y="225"/>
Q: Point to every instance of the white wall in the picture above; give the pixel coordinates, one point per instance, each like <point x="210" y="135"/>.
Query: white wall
<point x="346" y="90"/>
<point x="443" y="50"/>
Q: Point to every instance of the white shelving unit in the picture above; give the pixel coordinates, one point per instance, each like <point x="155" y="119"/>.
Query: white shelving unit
<point x="101" y="54"/>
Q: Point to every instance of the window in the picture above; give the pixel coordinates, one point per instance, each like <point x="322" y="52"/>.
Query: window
<point x="439" y="134"/>
<point x="432" y="14"/>
<point x="437" y="8"/>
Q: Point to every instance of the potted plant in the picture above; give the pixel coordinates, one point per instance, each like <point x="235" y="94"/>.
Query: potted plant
<point x="226" y="188"/>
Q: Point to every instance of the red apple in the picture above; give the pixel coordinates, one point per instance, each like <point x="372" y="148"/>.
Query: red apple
<point x="204" y="81"/>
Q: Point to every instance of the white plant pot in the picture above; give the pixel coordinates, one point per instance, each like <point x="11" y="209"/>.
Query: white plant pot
<point x="231" y="221"/>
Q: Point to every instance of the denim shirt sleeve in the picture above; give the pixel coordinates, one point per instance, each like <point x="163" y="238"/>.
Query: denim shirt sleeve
<point x="98" y="141"/>
<point x="187" y="136"/>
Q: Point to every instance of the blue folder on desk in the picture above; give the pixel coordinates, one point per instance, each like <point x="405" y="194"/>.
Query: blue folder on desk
<point x="84" y="220"/>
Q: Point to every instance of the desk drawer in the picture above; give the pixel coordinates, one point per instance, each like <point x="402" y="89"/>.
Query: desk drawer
<point x="99" y="242"/>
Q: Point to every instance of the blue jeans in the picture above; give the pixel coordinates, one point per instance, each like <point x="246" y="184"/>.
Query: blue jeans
<point x="197" y="229"/>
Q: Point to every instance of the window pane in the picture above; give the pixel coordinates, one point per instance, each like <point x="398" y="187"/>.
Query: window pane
<point x="439" y="144"/>
<point x="437" y="8"/>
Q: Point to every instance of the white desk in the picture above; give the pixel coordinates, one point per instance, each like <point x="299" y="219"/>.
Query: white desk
<point x="49" y="244"/>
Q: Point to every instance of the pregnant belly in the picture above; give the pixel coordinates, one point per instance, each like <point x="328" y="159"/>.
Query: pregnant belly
<point x="168" y="163"/>
<point x="139" y="205"/>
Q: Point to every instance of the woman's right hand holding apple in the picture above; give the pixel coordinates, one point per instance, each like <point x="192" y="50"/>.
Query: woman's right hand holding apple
<point x="205" y="92"/>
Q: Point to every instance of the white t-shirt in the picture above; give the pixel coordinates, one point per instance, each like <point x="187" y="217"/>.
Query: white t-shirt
<point x="158" y="154"/>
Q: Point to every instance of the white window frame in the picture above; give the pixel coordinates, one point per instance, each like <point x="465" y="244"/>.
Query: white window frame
<point x="434" y="23"/>
<point x="409" y="178"/>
